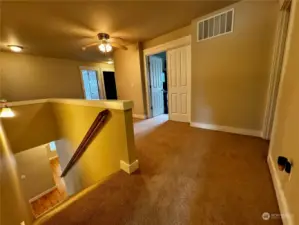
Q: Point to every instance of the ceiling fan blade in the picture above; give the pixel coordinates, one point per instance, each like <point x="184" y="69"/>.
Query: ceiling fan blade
<point x="116" y="45"/>
<point x="90" y="45"/>
<point x="116" y="39"/>
<point x="120" y="40"/>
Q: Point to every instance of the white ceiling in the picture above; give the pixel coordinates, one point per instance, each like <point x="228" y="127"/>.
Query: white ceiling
<point x="59" y="29"/>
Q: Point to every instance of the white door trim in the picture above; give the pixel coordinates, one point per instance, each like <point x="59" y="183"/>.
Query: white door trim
<point x="100" y="80"/>
<point x="276" y="78"/>
<point x="184" y="41"/>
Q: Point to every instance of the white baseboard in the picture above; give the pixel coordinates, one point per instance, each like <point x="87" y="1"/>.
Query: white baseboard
<point x="139" y="116"/>
<point x="42" y="194"/>
<point x="234" y="130"/>
<point x="129" y="168"/>
<point x="287" y="218"/>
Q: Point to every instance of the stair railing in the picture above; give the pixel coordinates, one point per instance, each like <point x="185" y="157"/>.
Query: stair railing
<point x="96" y="126"/>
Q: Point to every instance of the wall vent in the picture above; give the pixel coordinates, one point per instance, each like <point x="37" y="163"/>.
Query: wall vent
<point x="215" y="25"/>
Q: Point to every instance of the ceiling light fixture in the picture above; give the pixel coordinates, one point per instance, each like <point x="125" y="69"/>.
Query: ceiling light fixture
<point x="110" y="62"/>
<point x="105" y="47"/>
<point x="15" y="48"/>
<point x="108" y="48"/>
<point x="6" y="112"/>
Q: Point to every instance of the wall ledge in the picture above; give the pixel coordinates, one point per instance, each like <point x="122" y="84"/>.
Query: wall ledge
<point x="109" y="104"/>
<point x="26" y="102"/>
<point x="129" y="168"/>
<point x="287" y="217"/>
<point x="234" y="130"/>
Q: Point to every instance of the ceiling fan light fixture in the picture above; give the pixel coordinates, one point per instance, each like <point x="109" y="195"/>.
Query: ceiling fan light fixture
<point x="108" y="48"/>
<point x="105" y="44"/>
<point x="105" y="47"/>
<point x="102" y="47"/>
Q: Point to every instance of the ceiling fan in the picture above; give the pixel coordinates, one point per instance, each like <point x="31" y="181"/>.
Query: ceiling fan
<point x="106" y="43"/>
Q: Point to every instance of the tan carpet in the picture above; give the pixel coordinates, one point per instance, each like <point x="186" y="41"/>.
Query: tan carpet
<point x="187" y="176"/>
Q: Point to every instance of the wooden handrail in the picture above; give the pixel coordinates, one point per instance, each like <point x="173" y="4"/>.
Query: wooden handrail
<point x="96" y="126"/>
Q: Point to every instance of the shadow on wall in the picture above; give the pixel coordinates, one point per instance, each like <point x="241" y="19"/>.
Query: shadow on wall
<point x="11" y="192"/>
<point x="73" y="179"/>
<point x="36" y="126"/>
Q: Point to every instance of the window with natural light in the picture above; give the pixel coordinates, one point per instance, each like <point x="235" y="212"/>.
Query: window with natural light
<point x="52" y="146"/>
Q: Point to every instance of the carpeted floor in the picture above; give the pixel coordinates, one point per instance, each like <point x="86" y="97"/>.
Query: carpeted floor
<point x="187" y="176"/>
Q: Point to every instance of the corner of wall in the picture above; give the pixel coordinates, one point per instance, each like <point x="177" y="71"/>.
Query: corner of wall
<point x="282" y="201"/>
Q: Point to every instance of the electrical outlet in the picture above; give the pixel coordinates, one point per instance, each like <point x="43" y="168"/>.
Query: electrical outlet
<point x="22" y="223"/>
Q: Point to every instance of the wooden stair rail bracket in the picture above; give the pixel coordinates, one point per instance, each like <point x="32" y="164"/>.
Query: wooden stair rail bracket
<point x="96" y="126"/>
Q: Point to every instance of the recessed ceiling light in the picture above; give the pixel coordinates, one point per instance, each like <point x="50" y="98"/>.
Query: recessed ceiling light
<point x="15" y="48"/>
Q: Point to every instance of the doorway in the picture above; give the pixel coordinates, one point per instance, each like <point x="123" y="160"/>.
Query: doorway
<point x="175" y="97"/>
<point x="110" y="85"/>
<point x="158" y="83"/>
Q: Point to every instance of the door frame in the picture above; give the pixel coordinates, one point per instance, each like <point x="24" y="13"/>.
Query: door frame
<point x="181" y="42"/>
<point x="275" y="78"/>
<point x="99" y="77"/>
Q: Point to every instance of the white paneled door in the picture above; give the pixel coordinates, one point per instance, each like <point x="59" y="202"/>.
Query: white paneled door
<point x="156" y="85"/>
<point x="178" y="69"/>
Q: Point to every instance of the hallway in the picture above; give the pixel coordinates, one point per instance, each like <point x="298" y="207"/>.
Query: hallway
<point x="187" y="176"/>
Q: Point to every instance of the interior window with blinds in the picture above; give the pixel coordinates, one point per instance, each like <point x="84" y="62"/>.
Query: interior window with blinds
<point x="214" y="26"/>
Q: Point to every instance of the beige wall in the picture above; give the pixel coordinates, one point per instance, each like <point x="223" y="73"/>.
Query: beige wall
<point x="115" y="142"/>
<point x="26" y="77"/>
<point x="129" y="69"/>
<point x="13" y="207"/>
<point x="230" y="73"/>
<point x="176" y="34"/>
<point x="32" y="126"/>
<point x="129" y="76"/>
<point x="34" y="164"/>
<point x="285" y="140"/>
